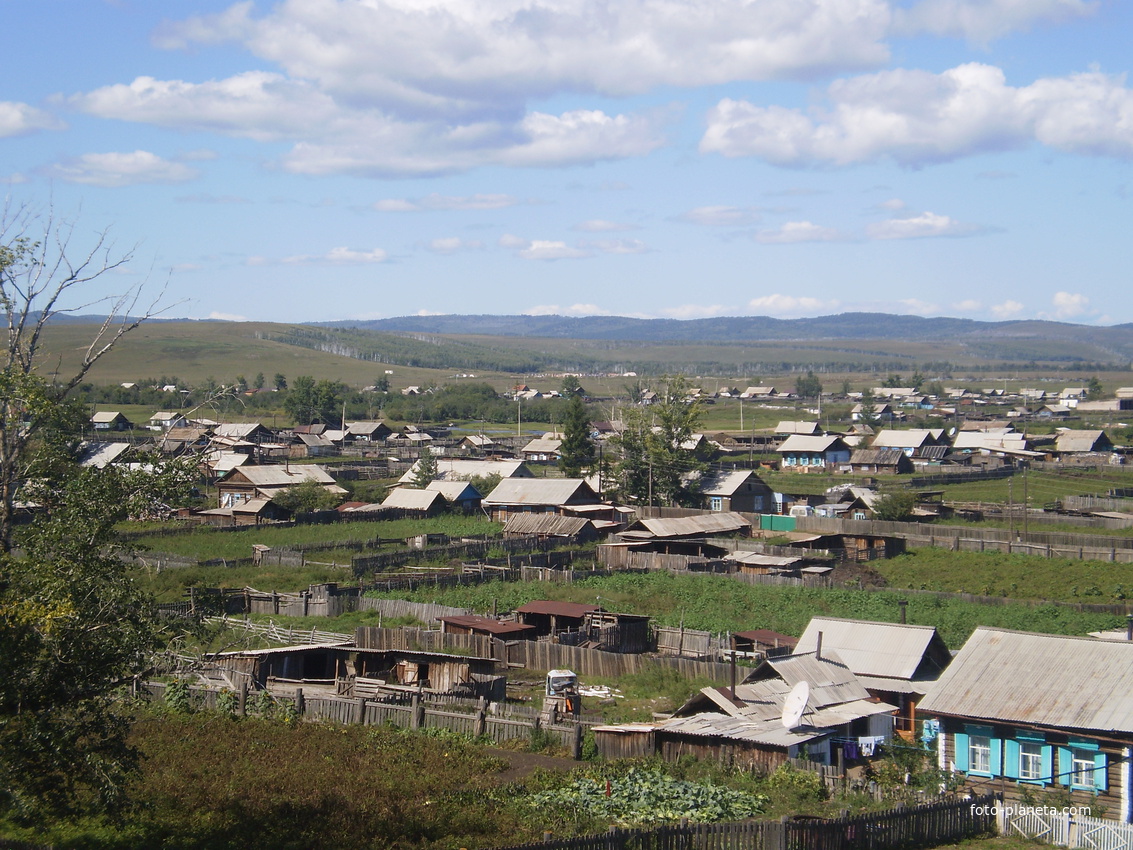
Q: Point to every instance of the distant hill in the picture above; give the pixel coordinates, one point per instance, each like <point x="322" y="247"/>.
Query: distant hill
<point x="735" y="329"/>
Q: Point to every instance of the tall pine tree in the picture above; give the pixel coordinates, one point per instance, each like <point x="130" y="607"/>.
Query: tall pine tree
<point x="577" y="450"/>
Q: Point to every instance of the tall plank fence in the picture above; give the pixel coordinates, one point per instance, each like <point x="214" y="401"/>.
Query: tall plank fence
<point x="928" y="825"/>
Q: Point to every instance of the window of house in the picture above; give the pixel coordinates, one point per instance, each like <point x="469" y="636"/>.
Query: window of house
<point x="979" y="754"/>
<point x="716" y="503"/>
<point x="1030" y="760"/>
<point x="1082" y="767"/>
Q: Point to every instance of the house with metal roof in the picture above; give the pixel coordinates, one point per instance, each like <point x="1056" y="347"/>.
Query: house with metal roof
<point x="802" y="453"/>
<point x="745" y="725"/>
<point x="896" y="662"/>
<point x="910" y="441"/>
<point x="537" y="495"/>
<point x="699" y="525"/>
<point x="460" y="495"/>
<point x="414" y="502"/>
<point x="734" y="490"/>
<point x="1029" y="712"/>
<point x="880" y="462"/>
<point x="543" y="449"/>
<point x="1071" y="442"/>
<point x="110" y="420"/>
<point x="250" y="482"/>
<point x="465" y="469"/>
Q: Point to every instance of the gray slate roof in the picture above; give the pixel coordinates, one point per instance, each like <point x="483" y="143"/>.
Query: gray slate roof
<point x="890" y="650"/>
<point x="1045" y="680"/>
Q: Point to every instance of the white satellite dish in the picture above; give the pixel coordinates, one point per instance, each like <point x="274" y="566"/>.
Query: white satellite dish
<point x="952" y="431"/>
<point x="795" y="705"/>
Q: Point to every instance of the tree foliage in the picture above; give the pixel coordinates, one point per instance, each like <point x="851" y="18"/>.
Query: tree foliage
<point x="808" y="386"/>
<point x="309" y="400"/>
<point x="425" y="469"/>
<point x="894" y="507"/>
<point x="307" y="497"/>
<point x="73" y="626"/>
<point x="656" y="463"/>
<point x="576" y="453"/>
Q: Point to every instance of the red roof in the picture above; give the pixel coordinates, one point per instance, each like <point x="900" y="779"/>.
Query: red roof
<point x="487" y="625"/>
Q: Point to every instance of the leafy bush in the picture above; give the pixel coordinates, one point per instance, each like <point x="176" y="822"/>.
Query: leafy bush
<point x="643" y="796"/>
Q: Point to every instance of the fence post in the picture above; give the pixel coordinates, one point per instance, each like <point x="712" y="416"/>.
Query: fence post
<point x="784" y="825"/>
<point x="360" y="711"/>
<point x="481" y="719"/>
<point x="300" y="702"/>
<point x="576" y="742"/>
<point x="242" y="697"/>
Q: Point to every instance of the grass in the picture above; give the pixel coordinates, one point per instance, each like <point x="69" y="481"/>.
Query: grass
<point x="1015" y="576"/>
<point x="721" y="604"/>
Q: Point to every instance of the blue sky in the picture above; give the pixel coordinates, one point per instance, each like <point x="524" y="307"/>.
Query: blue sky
<point x="351" y="159"/>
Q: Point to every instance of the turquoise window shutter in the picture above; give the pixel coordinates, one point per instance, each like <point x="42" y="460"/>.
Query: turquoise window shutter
<point x="961" y="751"/>
<point x="1048" y="764"/>
<point x="1101" y="780"/>
<point x="996" y="757"/>
<point x="1011" y="759"/>
<point x="1065" y="766"/>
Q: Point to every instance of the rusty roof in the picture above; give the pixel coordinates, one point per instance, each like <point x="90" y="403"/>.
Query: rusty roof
<point x="486" y="624"/>
<point x="1045" y="680"/>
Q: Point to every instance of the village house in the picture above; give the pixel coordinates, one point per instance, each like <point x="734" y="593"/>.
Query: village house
<point x="163" y="420"/>
<point x="879" y="462"/>
<point x="407" y="501"/>
<point x="252" y="482"/>
<point x="460" y="495"/>
<point x="538" y="495"/>
<point x="802" y="453"/>
<point x="543" y="449"/>
<point x="743" y="726"/>
<point x="110" y="420"/>
<point x="738" y="490"/>
<point x="896" y="663"/>
<point x="1031" y="712"/>
<point x="464" y="469"/>
<point x="1082" y="442"/>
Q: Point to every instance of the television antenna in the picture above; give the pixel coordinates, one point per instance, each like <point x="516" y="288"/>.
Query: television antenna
<point x="795" y="705"/>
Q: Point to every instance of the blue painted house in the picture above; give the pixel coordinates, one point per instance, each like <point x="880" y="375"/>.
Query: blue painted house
<point x="1022" y="713"/>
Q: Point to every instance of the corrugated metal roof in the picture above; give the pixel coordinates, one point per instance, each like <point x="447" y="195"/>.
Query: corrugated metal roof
<point x="691" y="526"/>
<point x="277" y="475"/>
<point x="758" y="559"/>
<point x="454" y="489"/>
<point x="461" y="469"/>
<point x="767" y="732"/>
<point x="408" y="499"/>
<point x="1045" y="680"/>
<point x="910" y="439"/>
<point x="727" y="483"/>
<point x="540" y="491"/>
<point x="538" y="523"/>
<point x="803" y="443"/>
<point x="869" y="648"/>
<point x="831" y="681"/>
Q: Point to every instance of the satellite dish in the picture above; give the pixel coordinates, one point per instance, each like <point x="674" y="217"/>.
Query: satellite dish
<point x="952" y="431"/>
<point x="795" y="705"/>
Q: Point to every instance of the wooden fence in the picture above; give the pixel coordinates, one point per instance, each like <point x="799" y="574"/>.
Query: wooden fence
<point x="928" y="825"/>
<point x="1065" y="828"/>
<point x="421" y="712"/>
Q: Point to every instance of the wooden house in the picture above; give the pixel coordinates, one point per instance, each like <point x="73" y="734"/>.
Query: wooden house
<point x="802" y="453"/>
<point x="1030" y="712"/>
<point x="250" y="482"/>
<point x="538" y="495"/>
<point x="110" y="420"/>
<point x="738" y="490"/>
<point x="408" y="501"/>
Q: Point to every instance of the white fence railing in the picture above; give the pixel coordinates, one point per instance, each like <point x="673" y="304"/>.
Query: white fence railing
<point x="1065" y="828"/>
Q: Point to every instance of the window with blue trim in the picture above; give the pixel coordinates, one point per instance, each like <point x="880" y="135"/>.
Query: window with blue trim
<point x="1028" y="758"/>
<point x="1082" y="765"/>
<point x="978" y="751"/>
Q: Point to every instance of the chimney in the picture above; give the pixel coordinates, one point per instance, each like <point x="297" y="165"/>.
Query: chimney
<point x="818" y="647"/>
<point x="903" y="604"/>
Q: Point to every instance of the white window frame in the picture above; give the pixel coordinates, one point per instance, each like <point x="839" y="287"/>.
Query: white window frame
<point x="979" y="754"/>
<point x="1030" y="760"/>
<point x="1082" y="768"/>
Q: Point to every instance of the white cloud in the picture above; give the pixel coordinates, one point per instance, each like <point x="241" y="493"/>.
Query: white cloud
<point x="721" y="216"/>
<point x="428" y="58"/>
<point x="453" y="244"/>
<point x="115" y="170"/>
<point x="695" y="311"/>
<point x="923" y="226"/>
<point x="916" y="307"/>
<point x="341" y="256"/>
<point x="1068" y="305"/>
<point x="18" y="119"/>
<point x="447" y="202"/>
<point x="982" y="21"/>
<point x="581" y="136"/>
<point x="616" y="246"/>
<point x="227" y="317"/>
<point x="598" y="225"/>
<point x="797" y="231"/>
<point x="791" y="305"/>
<point x="1007" y="309"/>
<point x="509" y="240"/>
<point x="545" y="249"/>
<point x="917" y="117"/>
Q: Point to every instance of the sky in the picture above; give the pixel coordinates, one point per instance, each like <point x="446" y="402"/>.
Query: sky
<point x="318" y="160"/>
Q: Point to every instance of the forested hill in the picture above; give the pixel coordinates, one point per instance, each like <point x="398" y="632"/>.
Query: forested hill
<point x="738" y="329"/>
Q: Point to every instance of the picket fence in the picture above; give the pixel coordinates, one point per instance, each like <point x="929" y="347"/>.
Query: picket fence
<point x="928" y="825"/>
<point x="1064" y="828"/>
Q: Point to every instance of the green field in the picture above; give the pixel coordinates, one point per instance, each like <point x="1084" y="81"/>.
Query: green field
<point x="720" y="604"/>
